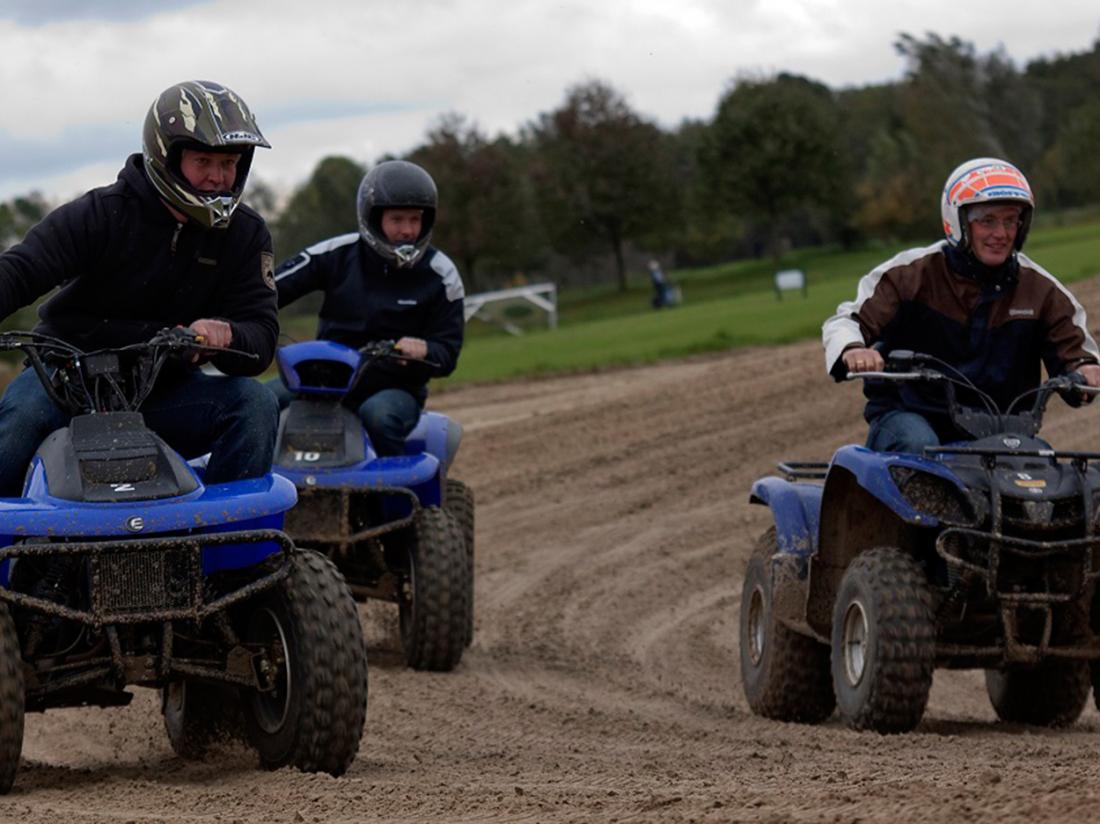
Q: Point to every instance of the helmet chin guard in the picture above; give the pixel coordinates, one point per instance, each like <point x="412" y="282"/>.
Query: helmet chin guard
<point x="396" y="184"/>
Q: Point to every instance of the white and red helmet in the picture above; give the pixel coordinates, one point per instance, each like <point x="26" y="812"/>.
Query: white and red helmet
<point x="979" y="181"/>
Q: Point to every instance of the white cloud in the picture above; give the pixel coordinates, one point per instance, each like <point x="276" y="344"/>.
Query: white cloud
<point x="394" y="68"/>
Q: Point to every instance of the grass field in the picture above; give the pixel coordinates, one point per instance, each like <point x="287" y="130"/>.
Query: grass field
<point x="724" y="307"/>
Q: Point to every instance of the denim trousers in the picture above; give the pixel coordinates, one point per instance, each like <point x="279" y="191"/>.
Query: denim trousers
<point x="233" y="418"/>
<point x="388" y="415"/>
<point x="901" y="431"/>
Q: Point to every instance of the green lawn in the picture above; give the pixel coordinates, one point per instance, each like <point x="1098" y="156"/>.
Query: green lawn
<point x="724" y="307"/>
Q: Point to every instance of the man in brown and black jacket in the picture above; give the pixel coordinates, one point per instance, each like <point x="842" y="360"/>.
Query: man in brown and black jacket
<point x="974" y="301"/>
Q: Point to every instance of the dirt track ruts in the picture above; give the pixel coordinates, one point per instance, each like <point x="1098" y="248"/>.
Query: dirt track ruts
<point x="613" y="525"/>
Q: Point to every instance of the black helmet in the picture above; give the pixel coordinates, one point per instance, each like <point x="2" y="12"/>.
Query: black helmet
<point x="396" y="184"/>
<point x="206" y="117"/>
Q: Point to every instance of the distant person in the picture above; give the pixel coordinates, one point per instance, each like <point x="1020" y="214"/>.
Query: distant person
<point x="385" y="283"/>
<point x="973" y="300"/>
<point x="167" y="244"/>
<point x="663" y="294"/>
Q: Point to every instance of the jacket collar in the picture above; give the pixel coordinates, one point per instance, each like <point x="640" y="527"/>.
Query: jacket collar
<point x="963" y="263"/>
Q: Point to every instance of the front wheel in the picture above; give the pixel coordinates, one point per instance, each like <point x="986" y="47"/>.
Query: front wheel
<point x="883" y="642"/>
<point x="432" y="604"/>
<point x="785" y="675"/>
<point x="311" y="710"/>
<point x="11" y="700"/>
<point x="458" y="499"/>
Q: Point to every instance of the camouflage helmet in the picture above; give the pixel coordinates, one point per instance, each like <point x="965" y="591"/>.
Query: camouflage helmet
<point x="207" y="117"/>
<point x="396" y="184"/>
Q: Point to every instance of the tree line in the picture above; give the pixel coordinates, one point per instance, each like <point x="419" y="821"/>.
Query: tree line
<point x="583" y="193"/>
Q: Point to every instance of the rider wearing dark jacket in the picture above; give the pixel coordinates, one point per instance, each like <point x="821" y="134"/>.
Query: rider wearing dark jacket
<point x="127" y="268"/>
<point x="385" y="283"/>
<point x="367" y="298"/>
<point x="168" y="244"/>
<point x="974" y="301"/>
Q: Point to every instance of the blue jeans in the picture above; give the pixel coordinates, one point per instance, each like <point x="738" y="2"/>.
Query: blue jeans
<point x="232" y="418"/>
<point x="388" y="415"/>
<point x="901" y="431"/>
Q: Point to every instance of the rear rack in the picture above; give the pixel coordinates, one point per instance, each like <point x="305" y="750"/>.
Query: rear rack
<point x="805" y="470"/>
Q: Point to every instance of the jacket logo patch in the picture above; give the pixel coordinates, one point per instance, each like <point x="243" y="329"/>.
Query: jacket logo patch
<point x="1021" y="313"/>
<point x="404" y="302"/>
<point x="267" y="269"/>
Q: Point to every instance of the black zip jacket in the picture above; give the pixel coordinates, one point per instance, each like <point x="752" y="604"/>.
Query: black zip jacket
<point x="368" y="299"/>
<point x="127" y="268"/>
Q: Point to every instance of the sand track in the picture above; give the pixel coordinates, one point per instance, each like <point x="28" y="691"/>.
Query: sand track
<point x="613" y="525"/>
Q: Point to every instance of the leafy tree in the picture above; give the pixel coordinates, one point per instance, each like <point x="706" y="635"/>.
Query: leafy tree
<point x="602" y="174"/>
<point x="773" y="152"/>
<point x="18" y="215"/>
<point x="1075" y="158"/>
<point x="1067" y="86"/>
<point x="486" y="219"/>
<point x="707" y="231"/>
<point x="324" y="206"/>
<point x="263" y="199"/>
<point x="955" y="104"/>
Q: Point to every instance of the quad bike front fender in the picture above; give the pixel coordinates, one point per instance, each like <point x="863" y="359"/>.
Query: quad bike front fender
<point x="796" y="509"/>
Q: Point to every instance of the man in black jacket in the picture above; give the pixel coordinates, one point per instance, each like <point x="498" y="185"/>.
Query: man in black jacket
<point x="385" y="283"/>
<point x="168" y="244"/>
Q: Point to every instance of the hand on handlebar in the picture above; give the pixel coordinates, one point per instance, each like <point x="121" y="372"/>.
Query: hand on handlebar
<point x="1087" y="382"/>
<point x="862" y="359"/>
<point x="1091" y="373"/>
<point x="411" y="349"/>
<point x="214" y="334"/>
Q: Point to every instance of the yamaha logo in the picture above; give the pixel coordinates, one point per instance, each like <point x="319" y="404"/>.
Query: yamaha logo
<point x="1011" y="443"/>
<point x="135" y="524"/>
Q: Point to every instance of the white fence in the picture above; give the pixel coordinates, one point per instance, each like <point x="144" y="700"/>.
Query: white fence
<point x="543" y="296"/>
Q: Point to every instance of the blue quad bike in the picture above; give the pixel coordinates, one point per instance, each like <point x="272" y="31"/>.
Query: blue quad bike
<point x="881" y="567"/>
<point x="119" y="566"/>
<point x="397" y="527"/>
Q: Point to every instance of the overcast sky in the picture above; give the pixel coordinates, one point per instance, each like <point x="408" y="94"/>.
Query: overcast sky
<point x="361" y="78"/>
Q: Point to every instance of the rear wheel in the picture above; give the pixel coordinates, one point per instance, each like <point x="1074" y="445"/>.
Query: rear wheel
<point x="458" y="499"/>
<point x="785" y="675"/>
<point x="1050" y="695"/>
<point x="11" y="700"/>
<point x="883" y="642"/>
<point x="433" y="601"/>
<point x="311" y="711"/>
<point x="198" y="715"/>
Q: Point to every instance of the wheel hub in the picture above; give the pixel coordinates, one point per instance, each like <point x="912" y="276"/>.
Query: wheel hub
<point x="854" y="643"/>
<point x="756" y="625"/>
<point x="273" y="704"/>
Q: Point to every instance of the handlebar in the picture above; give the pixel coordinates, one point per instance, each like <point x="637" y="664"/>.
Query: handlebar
<point x="376" y="350"/>
<point x="977" y="423"/>
<point x="117" y="379"/>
